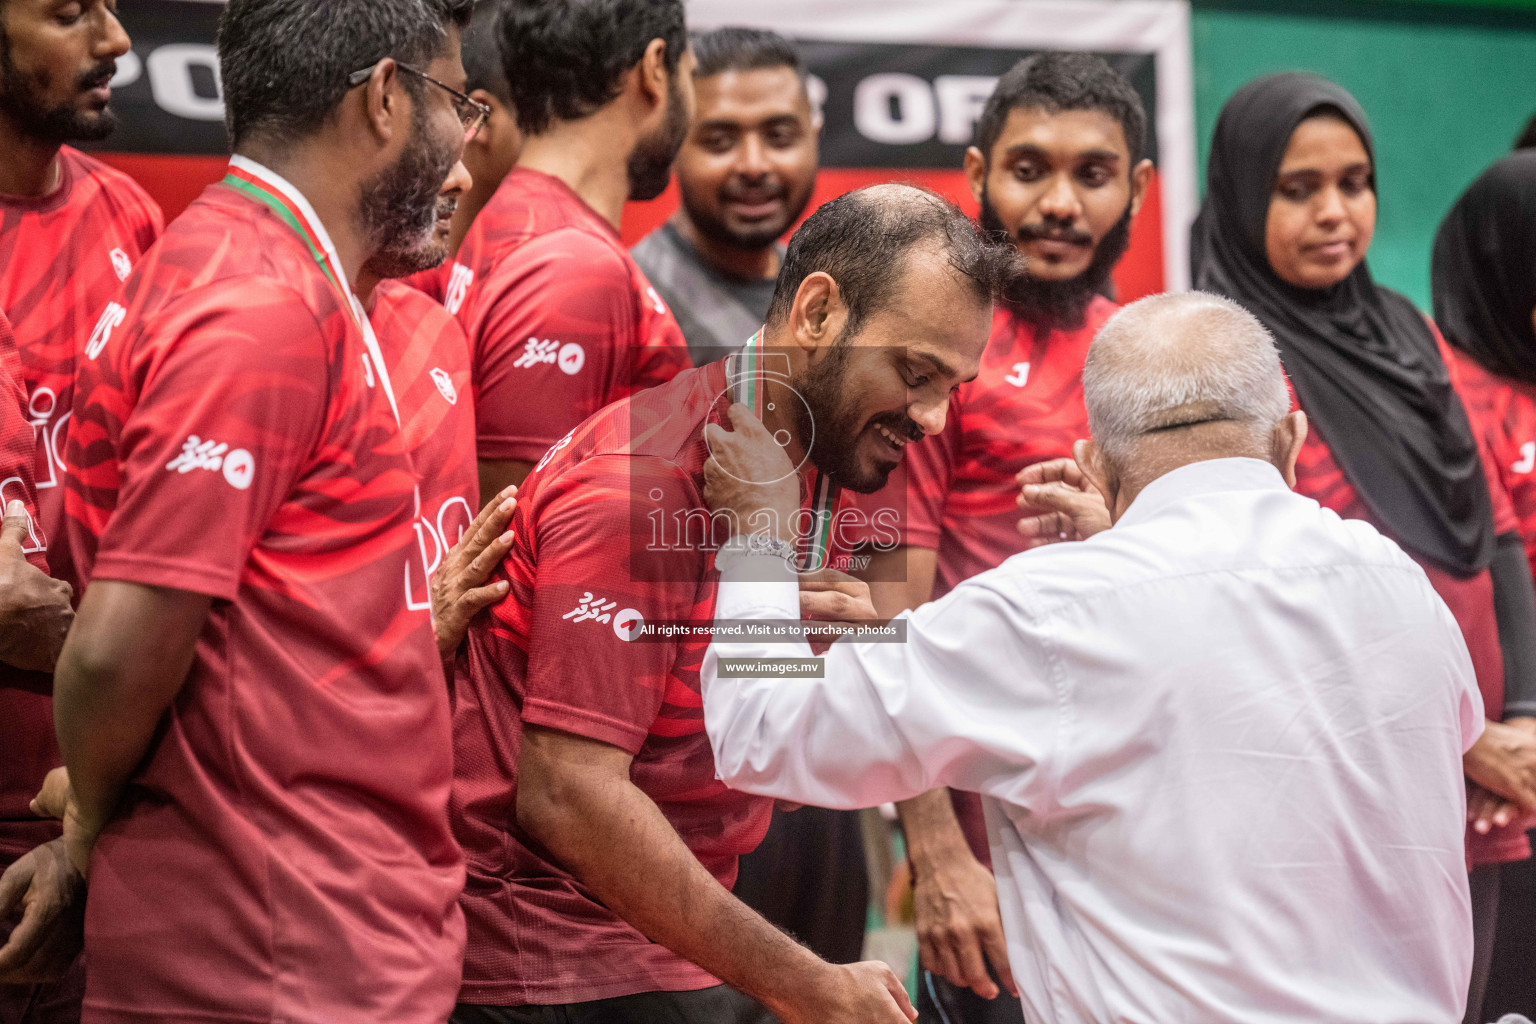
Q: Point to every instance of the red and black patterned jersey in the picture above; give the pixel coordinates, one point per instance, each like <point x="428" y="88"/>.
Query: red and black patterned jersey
<point x="956" y="493"/>
<point x="63" y="257"/>
<point x="28" y="750"/>
<point x="1319" y="477"/>
<point x="561" y="322"/>
<point x="428" y="362"/>
<point x="284" y="852"/>
<point x="611" y="533"/>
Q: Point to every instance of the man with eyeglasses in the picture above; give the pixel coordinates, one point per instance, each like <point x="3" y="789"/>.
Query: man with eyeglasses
<point x="560" y="319"/>
<point x="251" y="705"/>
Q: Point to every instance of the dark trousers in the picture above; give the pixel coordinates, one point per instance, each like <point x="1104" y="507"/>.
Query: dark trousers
<point x="706" y="1006"/>
<point x="1484" y="881"/>
<point x="942" y="1003"/>
<point x="1512" y="974"/>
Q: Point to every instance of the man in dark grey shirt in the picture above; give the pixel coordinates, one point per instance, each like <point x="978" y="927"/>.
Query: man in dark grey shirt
<point x="745" y="173"/>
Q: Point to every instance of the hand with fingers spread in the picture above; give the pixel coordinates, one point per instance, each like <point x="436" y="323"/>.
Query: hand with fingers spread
<point x="1060" y="503"/>
<point x="459" y="590"/>
<point x="835" y="597"/>
<point x="35" y="610"/>
<point x="749" y="477"/>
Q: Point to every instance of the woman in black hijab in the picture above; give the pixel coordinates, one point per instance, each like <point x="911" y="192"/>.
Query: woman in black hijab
<point x="1289" y="212"/>
<point x="1484" y="274"/>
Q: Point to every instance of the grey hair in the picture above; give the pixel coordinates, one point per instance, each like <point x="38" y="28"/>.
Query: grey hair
<point x="1173" y="361"/>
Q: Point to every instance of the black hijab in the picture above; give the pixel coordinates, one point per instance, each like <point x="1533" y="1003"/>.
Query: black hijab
<point x="1363" y="360"/>
<point x="1484" y="269"/>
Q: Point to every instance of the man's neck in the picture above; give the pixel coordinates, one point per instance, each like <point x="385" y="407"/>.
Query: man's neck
<point x="725" y="259"/>
<point x="331" y="191"/>
<point x="30" y="168"/>
<point x="591" y="156"/>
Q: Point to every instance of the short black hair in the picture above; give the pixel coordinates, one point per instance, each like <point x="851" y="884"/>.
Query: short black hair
<point x="1058" y="81"/>
<point x="564" y="58"/>
<point x="284" y="64"/>
<point x="1527" y="139"/>
<point x="736" y="48"/>
<point x="862" y="240"/>
<point x="482" y="52"/>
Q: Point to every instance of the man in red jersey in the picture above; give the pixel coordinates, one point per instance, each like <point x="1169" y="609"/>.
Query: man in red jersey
<point x="601" y="846"/>
<point x="253" y="716"/>
<point x="1058" y="167"/>
<point x="560" y="320"/>
<point x="71" y="228"/>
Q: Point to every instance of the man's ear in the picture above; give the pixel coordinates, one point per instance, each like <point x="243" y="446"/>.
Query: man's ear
<point x="1090" y="460"/>
<point x="1285" y="444"/>
<point x="818" y="315"/>
<point x="651" y="73"/>
<point x="1141" y="178"/>
<point x="384" y="101"/>
<point x="975" y="172"/>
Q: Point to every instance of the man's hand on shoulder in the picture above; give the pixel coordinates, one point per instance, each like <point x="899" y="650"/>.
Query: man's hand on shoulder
<point x="459" y="590"/>
<point x="749" y="477"/>
<point x="35" y="613"/>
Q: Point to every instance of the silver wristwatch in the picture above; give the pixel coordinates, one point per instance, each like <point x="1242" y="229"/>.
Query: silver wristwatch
<point x="747" y="545"/>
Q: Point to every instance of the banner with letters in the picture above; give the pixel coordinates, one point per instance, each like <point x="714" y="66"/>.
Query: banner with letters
<point x="900" y="84"/>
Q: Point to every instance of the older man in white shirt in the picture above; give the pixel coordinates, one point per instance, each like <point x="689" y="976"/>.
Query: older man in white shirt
<point x="1219" y="744"/>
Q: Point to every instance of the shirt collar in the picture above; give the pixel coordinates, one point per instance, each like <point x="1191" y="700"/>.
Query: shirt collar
<point x="1212" y="476"/>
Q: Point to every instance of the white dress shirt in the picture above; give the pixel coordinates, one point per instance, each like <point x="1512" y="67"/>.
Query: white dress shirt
<point x="1219" y="747"/>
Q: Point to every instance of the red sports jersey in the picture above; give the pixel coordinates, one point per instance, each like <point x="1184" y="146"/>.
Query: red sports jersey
<point x="956" y="492"/>
<point x="611" y="533"/>
<point x="430" y="282"/>
<point x="284" y="853"/>
<point x="1506" y="411"/>
<point x="63" y="257"/>
<point x="27" y="747"/>
<point x="561" y="322"/>
<point x="1319" y="477"/>
<point x="428" y="362"/>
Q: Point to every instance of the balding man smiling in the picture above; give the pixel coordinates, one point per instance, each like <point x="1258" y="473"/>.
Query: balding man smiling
<point x="1219" y="741"/>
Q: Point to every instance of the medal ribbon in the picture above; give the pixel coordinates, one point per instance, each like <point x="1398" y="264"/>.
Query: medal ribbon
<point x="745" y="372"/>
<point x="264" y="186"/>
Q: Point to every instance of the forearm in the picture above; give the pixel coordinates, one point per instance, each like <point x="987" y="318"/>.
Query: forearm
<point x="932" y="831"/>
<point x="617" y="842"/>
<point x="1514" y="602"/>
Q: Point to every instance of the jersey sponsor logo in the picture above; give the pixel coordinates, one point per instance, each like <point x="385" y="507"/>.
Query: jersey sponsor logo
<point x="238" y="466"/>
<point x="627" y="624"/>
<point x="459" y="280"/>
<point x="445" y="385"/>
<point x="12" y="489"/>
<point x="1020" y="375"/>
<point x="572" y="358"/>
<point x="111" y="319"/>
<point x="553" y="449"/>
<point x="49" y="436"/>
<point x="537" y="353"/>
<point x="433" y="540"/>
<point x="591" y="609"/>
<point x="1527" y="458"/>
<point x="655" y="297"/>
<point x="122" y="266"/>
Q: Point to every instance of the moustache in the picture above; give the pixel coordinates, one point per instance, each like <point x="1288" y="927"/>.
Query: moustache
<point x="98" y="77"/>
<point x="739" y="193"/>
<point x="1050" y="233"/>
<point x="446" y="208"/>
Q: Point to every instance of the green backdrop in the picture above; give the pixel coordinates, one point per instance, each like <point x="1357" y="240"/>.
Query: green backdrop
<point x="1447" y="87"/>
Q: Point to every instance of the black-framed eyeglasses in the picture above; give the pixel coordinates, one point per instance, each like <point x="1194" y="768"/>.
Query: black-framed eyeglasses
<point x="472" y="113"/>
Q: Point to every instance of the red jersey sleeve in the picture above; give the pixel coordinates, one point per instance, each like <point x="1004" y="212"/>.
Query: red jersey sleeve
<point x="554" y="345"/>
<point x="587" y="672"/>
<point x="229" y="391"/>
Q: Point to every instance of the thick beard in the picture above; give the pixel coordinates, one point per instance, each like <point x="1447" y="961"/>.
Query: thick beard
<point x="650" y="165"/>
<point x="399" y="206"/>
<point x="22" y="100"/>
<point x="715" y="229"/>
<point x="828" y="419"/>
<point x="1060" y="305"/>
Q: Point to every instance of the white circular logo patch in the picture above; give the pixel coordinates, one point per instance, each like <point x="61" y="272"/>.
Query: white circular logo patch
<point x="627" y="624"/>
<point x="239" y="469"/>
<point x="572" y="358"/>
